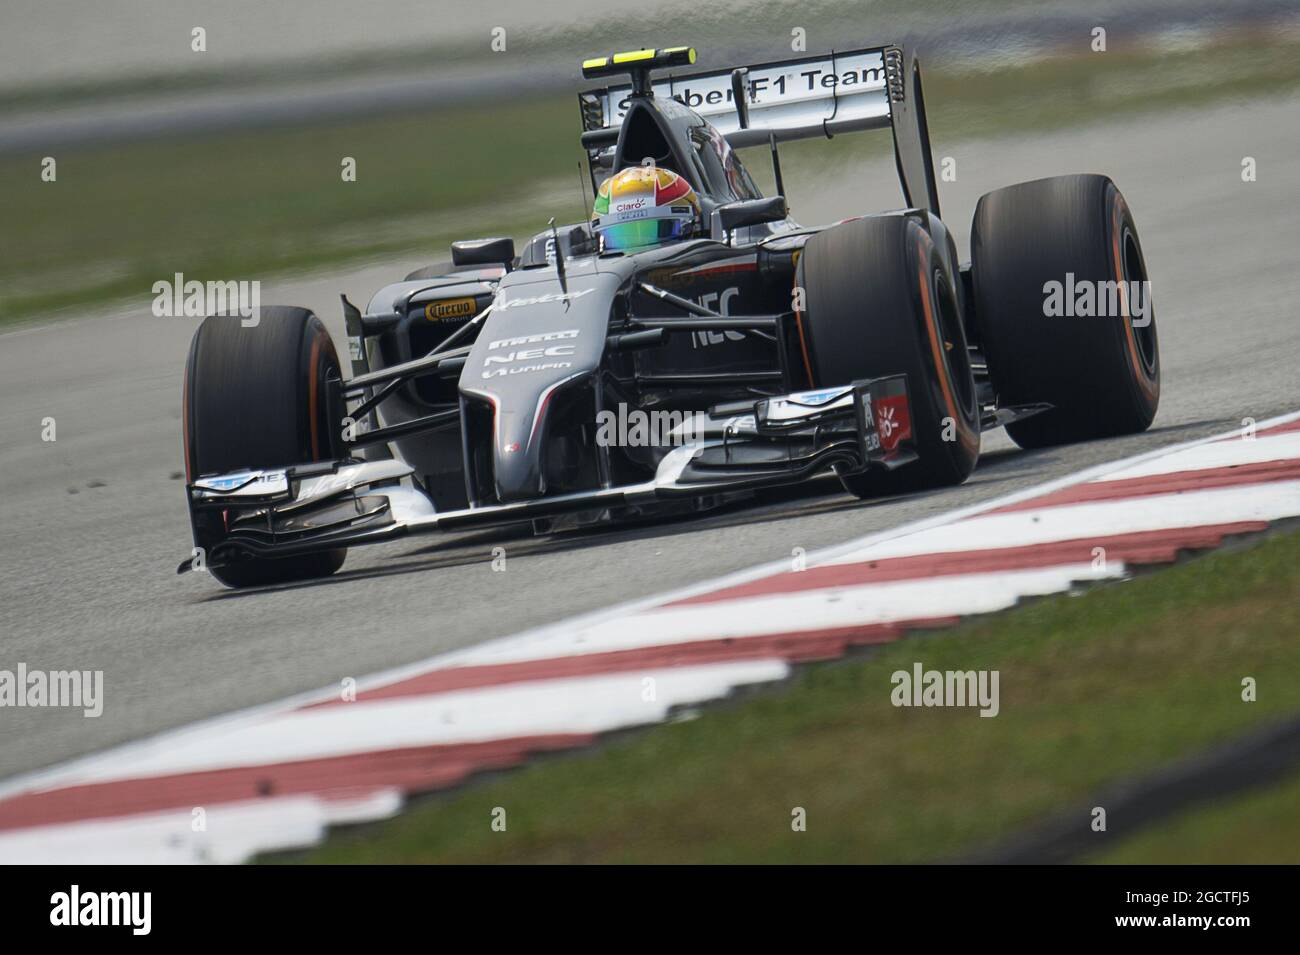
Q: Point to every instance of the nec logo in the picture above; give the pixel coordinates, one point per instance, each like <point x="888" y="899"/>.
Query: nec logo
<point x="530" y="354"/>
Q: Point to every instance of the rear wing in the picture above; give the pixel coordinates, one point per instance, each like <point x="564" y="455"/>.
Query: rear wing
<point x="803" y="98"/>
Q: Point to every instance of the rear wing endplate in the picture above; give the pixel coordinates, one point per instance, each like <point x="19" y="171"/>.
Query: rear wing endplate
<point x="803" y="98"/>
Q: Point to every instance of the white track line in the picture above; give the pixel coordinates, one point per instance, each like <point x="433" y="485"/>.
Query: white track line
<point x="1270" y="501"/>
<point x="571" y="705"/>
<point x="232" y="833"/>
<point x="803" y="611"/>
<point x="1218" y="454"/>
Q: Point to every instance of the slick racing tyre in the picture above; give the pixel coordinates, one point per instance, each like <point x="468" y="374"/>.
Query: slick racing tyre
<point x="255" y="397"/>
<point x="1100" y="372"/>
<point x="880" y="300"/>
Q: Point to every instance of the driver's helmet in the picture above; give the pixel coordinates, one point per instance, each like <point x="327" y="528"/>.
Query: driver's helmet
<point x="643" y="206"/>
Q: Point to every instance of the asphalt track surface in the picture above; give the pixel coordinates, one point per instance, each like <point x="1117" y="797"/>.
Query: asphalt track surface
<point x="93" y="525"/>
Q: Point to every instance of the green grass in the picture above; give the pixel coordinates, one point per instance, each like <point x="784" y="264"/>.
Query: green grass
<point x="1078" y="89"/>
<point x="1259" y="828"/>
<point x="117" y="220"/>
<point x="247" y="205"/>
<point x="1094" y="689"/>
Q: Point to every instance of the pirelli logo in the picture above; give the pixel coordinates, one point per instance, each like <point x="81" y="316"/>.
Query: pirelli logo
<point x="450" y="310"/>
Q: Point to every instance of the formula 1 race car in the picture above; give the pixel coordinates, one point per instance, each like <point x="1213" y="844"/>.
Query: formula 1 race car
<point x="687" y="344"/>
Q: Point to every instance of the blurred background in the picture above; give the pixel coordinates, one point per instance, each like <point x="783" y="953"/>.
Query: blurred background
<point x="225" y="162"/>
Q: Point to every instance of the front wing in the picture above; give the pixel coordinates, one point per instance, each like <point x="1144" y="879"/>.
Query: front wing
<point x="736" y="447"/>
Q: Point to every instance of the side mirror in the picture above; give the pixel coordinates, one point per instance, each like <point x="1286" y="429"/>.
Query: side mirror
<point x="737" y="215"/>
<point x="484" y="252"/>
<point x="582" y="241"/>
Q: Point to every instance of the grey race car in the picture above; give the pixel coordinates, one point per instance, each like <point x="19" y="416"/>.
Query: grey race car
<point x="516" y="387"/>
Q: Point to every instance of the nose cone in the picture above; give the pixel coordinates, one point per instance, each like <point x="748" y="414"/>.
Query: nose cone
<point x="518" y="456"/>
<point x="540" y="336"/>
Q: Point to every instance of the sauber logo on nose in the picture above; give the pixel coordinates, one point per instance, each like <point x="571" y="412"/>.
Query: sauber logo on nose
<point x="543" y="299"/>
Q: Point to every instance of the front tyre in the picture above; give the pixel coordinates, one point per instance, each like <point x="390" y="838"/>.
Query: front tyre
<point x="880" y="300"/>
<point x="255" y="397"/>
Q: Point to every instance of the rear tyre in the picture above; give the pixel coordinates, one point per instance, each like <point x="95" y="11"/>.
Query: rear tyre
<point x="1101" y="374"/>
<point x="880" y="300"/>
<point x="255" y="397"/>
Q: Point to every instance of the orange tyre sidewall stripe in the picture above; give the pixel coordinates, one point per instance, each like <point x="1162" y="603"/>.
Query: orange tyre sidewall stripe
<point x="936" y="347"/>
<point x="803" y="345"/>
<point x="1136" y="363"/>
<point x="798" y="322"/>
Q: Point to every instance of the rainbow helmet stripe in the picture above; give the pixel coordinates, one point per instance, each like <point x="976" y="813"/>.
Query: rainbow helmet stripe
<point x="644" y="206"/>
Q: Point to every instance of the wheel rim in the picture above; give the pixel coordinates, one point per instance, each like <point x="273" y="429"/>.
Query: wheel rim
<point x="1134" y="270"/>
